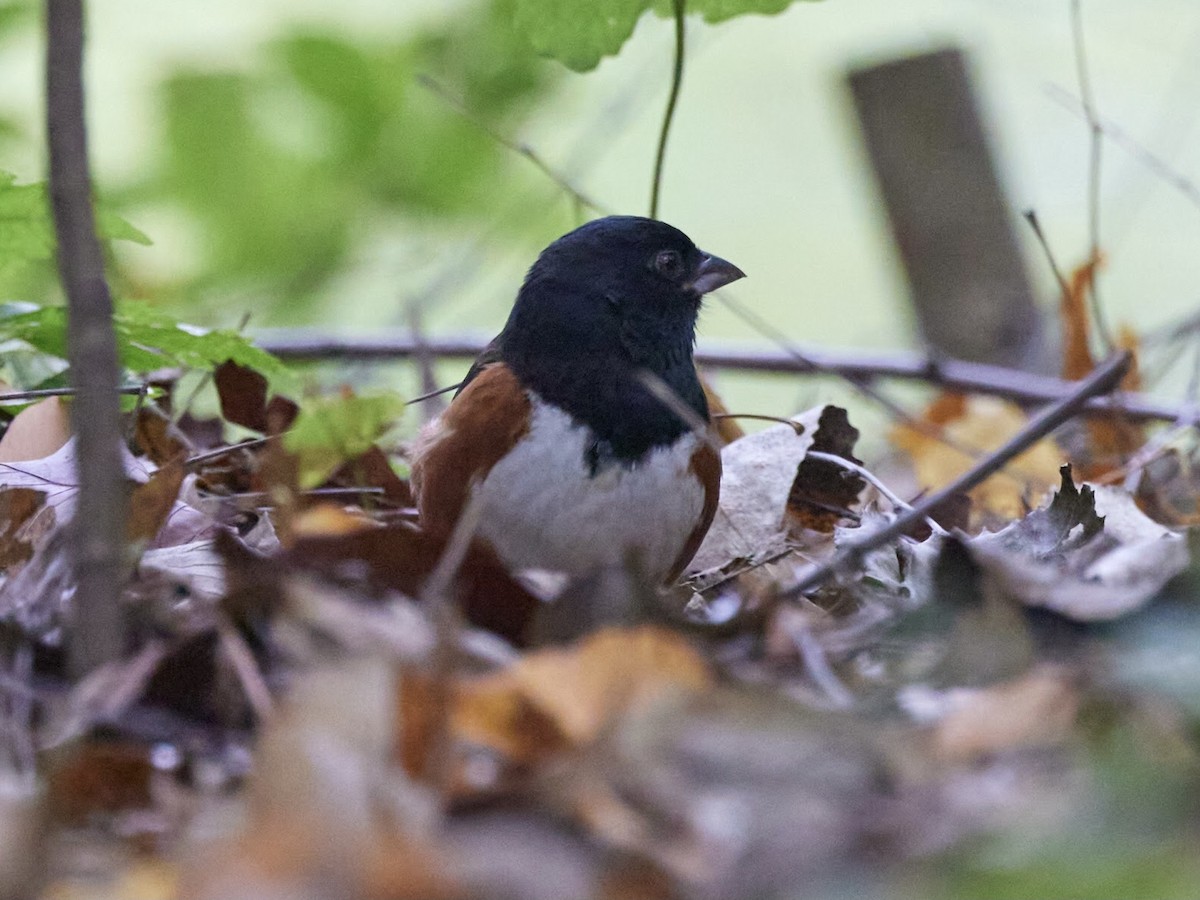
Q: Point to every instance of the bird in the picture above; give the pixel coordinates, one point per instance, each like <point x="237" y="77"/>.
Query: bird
<point x="578" y="465"/>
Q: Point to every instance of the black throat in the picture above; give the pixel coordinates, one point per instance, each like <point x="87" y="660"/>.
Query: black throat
<point x="596" y="378"/>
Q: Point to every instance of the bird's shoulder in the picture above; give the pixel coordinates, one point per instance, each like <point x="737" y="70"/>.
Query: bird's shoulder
<point x="483" y="423"/>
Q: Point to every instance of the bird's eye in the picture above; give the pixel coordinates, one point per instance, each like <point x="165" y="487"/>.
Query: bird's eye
<point x="669" y="263"/>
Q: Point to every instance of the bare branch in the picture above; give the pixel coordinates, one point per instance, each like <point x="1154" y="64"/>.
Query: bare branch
<point x="860" y="367"/>
<point x="1101" y="381"/>
<point x="99" y="524"/>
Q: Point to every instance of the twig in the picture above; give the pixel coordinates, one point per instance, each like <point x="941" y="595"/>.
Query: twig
<point x="665" y="395"/>
<point x="869" y="476"/>
<point x="209" y="455"/>
<point x="1094" y="159"/>
<point x="816" y="664"/>
<point x="1115" y="133"/>
<point x="1101" y="381"/>
<point x="25" y="396"/>
<point x="1031" y="217"/>
<point x="245" y="667"/>
<point x="857" y="367"/>
<point x="99" y="525"/>
<point x="521" y="149"/>
<point x="437" y="597"/>
<point x="678" y="8"/>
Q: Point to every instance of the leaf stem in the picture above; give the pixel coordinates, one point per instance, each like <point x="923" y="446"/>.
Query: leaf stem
<point x="669" y="114"/>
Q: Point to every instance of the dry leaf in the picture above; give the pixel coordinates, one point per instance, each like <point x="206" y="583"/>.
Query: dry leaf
<point x="151" y="503"/>
<point x="756" y="478"/>
<point x="36" y="431"/>
<point x="243" y="395"/>
<point x="17" y="506"/>
<point x="329" y="520"/>
<point x="1090" y="555"/>
<point x="1036" y="709"/>
<point x="823" y="492"/>
<point x="980" y="425"/>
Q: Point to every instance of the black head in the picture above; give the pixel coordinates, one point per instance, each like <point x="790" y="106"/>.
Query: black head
<point x="622" y="285"/>
<point x="615" y="296"/>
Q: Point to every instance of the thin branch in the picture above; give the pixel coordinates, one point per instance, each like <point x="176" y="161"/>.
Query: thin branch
<point x="40" y="393"/>
<point x="521" y="149"/>
<point x="1101" y="381"/>
<point x="1031" y="217"/>
<point x="678" y="7"/>
<point x="867" y="475"/>
<point x="857" y="367"/>
<point x="437" y="596"/>
<point x="99" y="525"/>
<point x="1094" y="159"/>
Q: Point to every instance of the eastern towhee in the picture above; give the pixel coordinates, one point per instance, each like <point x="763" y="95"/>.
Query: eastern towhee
<point x="579" y="465"/>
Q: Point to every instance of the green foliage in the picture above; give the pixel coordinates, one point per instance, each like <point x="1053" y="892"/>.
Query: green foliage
<point x="292" y="162"/>
<point x="579" y="35"/>
<point x="27" y="232"/>
<point x="332" y="430"/>
<point x="146" y="340"/>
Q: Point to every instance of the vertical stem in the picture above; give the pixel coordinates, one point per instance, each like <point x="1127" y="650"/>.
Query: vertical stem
<point x="99" y="524"/>
<point x="1095" y="151"/>
<point x="669" y="115"/>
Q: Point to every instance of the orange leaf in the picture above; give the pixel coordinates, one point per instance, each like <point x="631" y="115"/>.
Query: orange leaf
<point x="973" y="426"/>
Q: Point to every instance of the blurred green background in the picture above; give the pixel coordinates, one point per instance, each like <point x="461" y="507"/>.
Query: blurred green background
<point x="289" y="162"/>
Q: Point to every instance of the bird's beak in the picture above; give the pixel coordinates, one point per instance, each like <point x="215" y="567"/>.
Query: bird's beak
<point x="714" y="272"/>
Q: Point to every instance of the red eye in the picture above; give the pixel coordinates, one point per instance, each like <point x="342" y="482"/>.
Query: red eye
<point x="669" y="263"/>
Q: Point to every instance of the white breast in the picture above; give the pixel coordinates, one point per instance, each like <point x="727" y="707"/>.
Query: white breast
<point x="543" y="509"/>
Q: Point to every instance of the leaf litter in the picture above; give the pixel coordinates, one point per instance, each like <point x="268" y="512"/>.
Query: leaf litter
<point x="293" y="719"/>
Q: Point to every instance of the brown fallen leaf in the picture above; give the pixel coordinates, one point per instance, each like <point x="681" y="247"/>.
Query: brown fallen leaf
<point x="372" y="469"/>
<point x="157" y="437"/>
<point x="37" y="431"/>
<point x="580" y="690"/>
<point x="401" y="557"/>
<point x="152" y="502"/>
<point x="329" y="520"/>
<point x="17" y="506"/>
<point x="823" y="493"/>
<point x="99" y="778"/>
<point x="243" y="395"/>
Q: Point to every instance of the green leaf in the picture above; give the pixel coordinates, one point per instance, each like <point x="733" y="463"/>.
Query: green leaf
<point x="146" y="340"/>
<point x="332" y="430"/>
<point x="27" y="232"/>
<point x="579" y="35"/>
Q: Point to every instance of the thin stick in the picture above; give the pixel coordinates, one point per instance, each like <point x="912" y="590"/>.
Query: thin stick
<point x="1101" y="381"/>
<point x="857" y="367"/>
<point x="40" y="393"/>
<point x="678" y="7"/>
<point x="1094" y="158"/>
<point x="437" y="597"/>
<point x="870" y="477"/>
<point x="521" y="149"/>
<point x="209" y="455"/>
<point x="97" y="632"/>
<point x="1032" y="218"/>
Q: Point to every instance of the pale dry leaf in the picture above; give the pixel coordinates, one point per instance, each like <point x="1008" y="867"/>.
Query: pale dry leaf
<point x="550" y="700"/>
<point x="1036" y="709"/>
<point x="1088" y="576"/>
<point x="757" y="474"/>
<point x="36" y="431"/>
